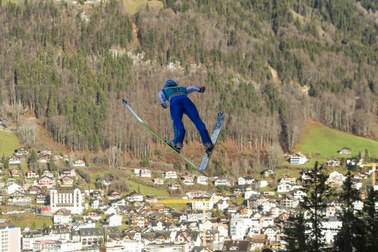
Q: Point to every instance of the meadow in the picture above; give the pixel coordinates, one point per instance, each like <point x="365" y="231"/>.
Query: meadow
<point x="8" y="143"/>
<point x="320" y="143"/>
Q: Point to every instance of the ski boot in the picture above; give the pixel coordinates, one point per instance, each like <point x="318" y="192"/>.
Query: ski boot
<point x="177" y="147"/>
<point x="209" y="147"/>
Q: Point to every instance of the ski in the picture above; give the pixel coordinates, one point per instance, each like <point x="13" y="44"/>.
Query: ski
<point x="214" y="138"/>
<point x="158" y="137"/>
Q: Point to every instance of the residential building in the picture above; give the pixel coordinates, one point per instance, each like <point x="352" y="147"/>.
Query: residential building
<point x="138" y="221"/>
<point x="70" y="198"/>
<point x="330" y="228"/>
<point x="170" y="175"/>
<point x="222" y="205"/>
<point x="174" y="187"/>
<point x="222" y="182"/>
<point x="19" y="197"/>
<point x="239" y="227"/>
<point x="123" y="245"/>
<point x="21" y="152"/>
<point x="202" y="180"/>
<point x="66" y="181"/>
<point x="46" y="152"/>
<point x="111" y="210"/>
<point x="79" y="163"/>
<point x="283" y="188"/>
<point x="258" y="242"/>
<point x="15" y="172"/>
<point x="267" y="221"/>
<point x="67" y="172"/>
<point x="134" y="197"/>
<point x="114" y="195"/>
<point x="188" y="236"/>
<point x="288" y="180"/>
<point x="298" y="159"/>
<point x="299" y="194"/>
<point x="187" y="180"/>
<point x="262" y="183"/>
<point x="29" y="238"/>
<point x="48" y="173"/>
<point x="241" y="246"/>
<point x="57" y="246"/>
<point x="158" y="181"/>
<point x="202" y="204"/>
<point x="31" y="174"/>
<point x="166" y="247"/>
<point x="41" y="199"/>
<point x="122" y="202"/>
<point x="251" y="193"/>
<point x="46" y="181"/>
<point x="333" y="163"/>
<point x="246" y="180"/>
<point x="34" y="190"/>
<point x="13" y="187"/>
<point x="114" y="220"/>
<point x="335" y="179"/>
<point x="13" y="160"/>
<point x="91" y="236"/>
<point x="345" y="151"/>
<point x="289" y="202"/>
<point x="10" y="239"/>
<point x="145" y="173"/>
<point x="62" y="216"/>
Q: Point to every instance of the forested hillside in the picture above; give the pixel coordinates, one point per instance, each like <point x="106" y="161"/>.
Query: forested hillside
<point x="269" y="65"/>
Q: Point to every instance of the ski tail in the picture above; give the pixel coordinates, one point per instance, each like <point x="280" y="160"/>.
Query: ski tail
<point x="158" y="137"/>
<point x="142" y="122"/>
<point x="214" y="137"/>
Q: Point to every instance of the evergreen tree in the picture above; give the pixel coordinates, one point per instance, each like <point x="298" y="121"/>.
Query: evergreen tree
<point x="294" y="231"/>
<point x="370" y="215"/>
<point x="314" y="206"/>
<point x="32" y="160"/>
<point x="351" y="236"/>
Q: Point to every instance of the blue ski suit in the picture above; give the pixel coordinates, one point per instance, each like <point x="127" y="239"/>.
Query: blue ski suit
<point x="180" y="104"/>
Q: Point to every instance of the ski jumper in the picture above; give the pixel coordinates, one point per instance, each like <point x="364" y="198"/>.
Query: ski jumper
<point x="180" y="104"/>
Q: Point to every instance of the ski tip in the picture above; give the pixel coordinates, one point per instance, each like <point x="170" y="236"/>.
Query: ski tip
<point x="124" y="101"/>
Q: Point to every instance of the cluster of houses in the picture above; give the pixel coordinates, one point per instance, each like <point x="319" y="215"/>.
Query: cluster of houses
<point x="33" y="186"/>
<point x="88" y="220"/>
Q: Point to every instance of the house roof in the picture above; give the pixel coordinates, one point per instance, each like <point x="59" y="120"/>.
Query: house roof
<point x="91" y="231"/>
<point x="63" y="211"/>
<point x="157" y="235"/>
<point x="187" y="234"/>
<point x="236" y="246"/>
<point x="62" y="189"/>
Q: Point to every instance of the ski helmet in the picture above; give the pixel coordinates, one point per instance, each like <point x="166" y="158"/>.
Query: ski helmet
<point x="170" y="83"/>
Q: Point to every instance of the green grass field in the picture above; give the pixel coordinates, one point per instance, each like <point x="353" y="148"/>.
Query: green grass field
<point x="129" y="178"/>
<point x="321" y="143"/>
<point x="148" y="190"/>
<point x="28" y="220"/>
<point x="8" y="143"/>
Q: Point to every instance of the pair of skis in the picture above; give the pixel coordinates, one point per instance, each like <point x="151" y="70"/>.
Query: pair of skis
<point x="206" y="158"/>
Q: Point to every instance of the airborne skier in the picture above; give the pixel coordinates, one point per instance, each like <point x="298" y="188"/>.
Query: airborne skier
<point x="180" y="104"/>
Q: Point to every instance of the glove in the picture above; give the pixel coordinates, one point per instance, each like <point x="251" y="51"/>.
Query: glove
<point x="202" y="89"/>
<point x="164" y="105"/>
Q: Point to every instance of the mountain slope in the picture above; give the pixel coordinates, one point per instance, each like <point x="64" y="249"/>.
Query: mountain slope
<point x="269" y="65"/>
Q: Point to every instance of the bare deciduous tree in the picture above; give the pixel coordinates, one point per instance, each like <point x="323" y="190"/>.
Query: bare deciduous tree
<point x="27" y="132"/>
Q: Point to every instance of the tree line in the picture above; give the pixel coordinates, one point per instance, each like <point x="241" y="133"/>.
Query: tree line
<point x="269" y="65"/>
